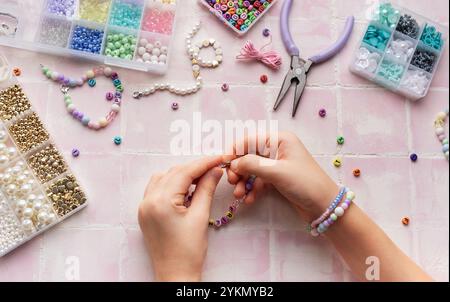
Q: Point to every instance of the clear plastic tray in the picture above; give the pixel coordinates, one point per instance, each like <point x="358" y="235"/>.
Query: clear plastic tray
<point x="398" y="86"/>
<point x="31" y="34"/>
<point x="7" y="201"/>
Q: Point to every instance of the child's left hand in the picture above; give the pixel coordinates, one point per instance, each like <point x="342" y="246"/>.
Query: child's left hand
<point x="176" y="236"/>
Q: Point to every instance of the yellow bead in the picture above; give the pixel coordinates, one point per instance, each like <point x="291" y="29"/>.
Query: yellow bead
<point x="229" y="215"/>
<point x="90" y="74"/>
<point x="337" y="162"/>
<point x="103" y="122"/>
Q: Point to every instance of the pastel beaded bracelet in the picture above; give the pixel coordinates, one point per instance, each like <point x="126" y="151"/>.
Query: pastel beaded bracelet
<point x="89" y="77"/>
<point x="330" y="209"/>
<point x="439" y="124"/>
<point x="332" y="218"/>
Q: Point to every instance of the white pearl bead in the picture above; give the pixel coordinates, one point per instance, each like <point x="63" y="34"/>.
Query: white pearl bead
<point x="141" y="50"/>
<point x="164" y="50"/>
<point x="3" y="136"/>
<point x="156" y="51"/>
<point x="115" y="108"/>
<point x="107" y="71"/>
<point x="27" y="224"/>
<point x="149" y="47"/>
<point x="42" y="217"/>
<point x="139" y="60"/>
<point x="31" y="198"/>
<point x="28" y="213"/>
<point x="143" y="42"/>
<point x="146" y="56"/>
<point x="11" y="152"/>
<point x="339" y="211"/>
<point x="51" y="218"/>
<point x="21" y="204"/>
<point x="37" y="206"/>
<point x="3" y="159"/>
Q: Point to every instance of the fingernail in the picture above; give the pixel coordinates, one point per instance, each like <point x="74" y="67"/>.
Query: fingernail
<point x="217" y="173"/>
<point x="234" y="165"/>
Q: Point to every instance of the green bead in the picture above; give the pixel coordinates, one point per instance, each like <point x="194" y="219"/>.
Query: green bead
<point x="340" y="140"/>
<point x="117" y="45"/>
<point x="115" y="37"/>
<point x="124" y="40"/>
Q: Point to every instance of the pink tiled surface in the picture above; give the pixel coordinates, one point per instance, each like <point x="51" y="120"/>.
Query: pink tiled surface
<point x="267" y="241"/>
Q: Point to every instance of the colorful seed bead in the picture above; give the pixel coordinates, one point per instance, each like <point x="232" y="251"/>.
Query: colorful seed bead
<point x="322" y="113"/>
<point x="109" y="96"/>
<point x="119" y="45"/>
<point x="94" y="10"/>
<point x="340" y="140"/>
<point x="439" y="125"/>
<point x="61" y="7"/>
<point x="405" y="221"/>
<point x="357" y="172"/>
<point x="17" y="72"/>
<point x="117" y="140"/>
<point x="126" y="14"/>
<point x="86" y="39"/>
<point x="175" y="106"/>
<point x="266" y="32"/>
<point x="75" y="152"/>
<point x="414" y="157"/>
<point x="264" y="78"/>
<point x="159" y="19"/>
<point x="225" y="87"/>
<point x="391" y="71"/>
<point x="337" y="162"/>
<point x="92" y="82"/>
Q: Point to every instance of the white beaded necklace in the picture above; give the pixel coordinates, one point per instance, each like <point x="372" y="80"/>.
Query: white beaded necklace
<point x="439" y="124"/>
<point x="193" y="51"/>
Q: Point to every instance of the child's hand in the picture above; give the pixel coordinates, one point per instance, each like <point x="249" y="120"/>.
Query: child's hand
<point x="294" y="173"/>
<point x="176" y="236"/>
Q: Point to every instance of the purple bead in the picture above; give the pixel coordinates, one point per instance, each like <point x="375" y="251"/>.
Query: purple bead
<point x="109" y="96"/>
<point x="326" y="223"/>
<point x="322" y="113"/>
<point x="118" y="95"/>
<point x="75" y="113"/>
<point x="224" y="220"/>
<point x="75" y="152"/>
<point x="218" y="223"/>
<point x="266" y="32"/>
<point x="232" y="209"/>
<point x="249" y="186"/>
<point x="114" y="75"/>
<point x="175" y="106"/>
<point x="66" y="81"/>
<point x="60" y="78"/>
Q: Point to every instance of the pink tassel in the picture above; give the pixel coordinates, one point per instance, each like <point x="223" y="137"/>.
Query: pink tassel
<point x="269" y="58"/>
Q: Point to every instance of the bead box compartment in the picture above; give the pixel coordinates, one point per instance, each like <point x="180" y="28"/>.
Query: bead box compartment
<point x="26" y="207"/>
<point x="209" y="4"/>
<point x="414" y="81"/>
<point x="40" y="32"/>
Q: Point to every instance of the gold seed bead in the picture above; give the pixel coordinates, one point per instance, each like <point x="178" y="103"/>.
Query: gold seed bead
<point x="47" y="164"/>
<point x="66" y="195"/>
<point x="28" y="132"/>
<point x="13" y="102"/>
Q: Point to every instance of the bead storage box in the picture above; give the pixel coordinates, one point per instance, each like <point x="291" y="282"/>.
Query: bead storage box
<point x="239" y="15"/>
<point x="400" y="50"/>
<point x="37" y="188"/>
<point x="134" y="34"/>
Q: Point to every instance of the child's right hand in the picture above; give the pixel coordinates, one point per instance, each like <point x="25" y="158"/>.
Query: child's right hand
<point x="293" y="172"/>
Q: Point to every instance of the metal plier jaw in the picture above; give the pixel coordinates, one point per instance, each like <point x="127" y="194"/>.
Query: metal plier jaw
<point x="297" y="73"/>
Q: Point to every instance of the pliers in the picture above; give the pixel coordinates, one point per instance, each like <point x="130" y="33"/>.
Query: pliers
<point x="299" y="67"/>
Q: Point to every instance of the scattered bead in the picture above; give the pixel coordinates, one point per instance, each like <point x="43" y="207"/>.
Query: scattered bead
<point x="266" y="32"/>
<point x="424" y="59"/>
<point x="432" y="38"/>
<point x="340" y="140"/>
<point x="407" y="25"/>
<point x="414" y="157"/>
<point x="357" y="172"/>
<point x="337" y="162"/>
<point x="225" y="87"/>
<point x="17" y="72"/>
<point x="75" y="152"/>
<point x="376" y="37"/>
<point x="264" y="78"/>
<point x="322" y="113"/>
<point x="405" y="221"/>
<point x="175" y="106"/>
<point x="367" y="60"/>
<point x="117" y="140"/>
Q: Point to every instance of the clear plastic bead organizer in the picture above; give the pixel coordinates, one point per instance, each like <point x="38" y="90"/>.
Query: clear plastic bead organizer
<point x="58" y="25"/>
<point x="400" y="50"/>
<point x="37" y="188"/>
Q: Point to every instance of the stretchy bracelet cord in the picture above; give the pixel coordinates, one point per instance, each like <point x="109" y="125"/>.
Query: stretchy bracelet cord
<point x="229" y="215"/>
<point x="338" y="212"/>
<point x="439" y="125"/>
<point x="89" y="77"/>
<point x="330" y="209"/>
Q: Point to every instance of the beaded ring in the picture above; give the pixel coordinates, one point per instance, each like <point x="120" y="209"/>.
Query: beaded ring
<point x="197" y="62"/>
<point x="439" y="124"/>
<point x="89" y="77"/>
<point x="230" y="214"/>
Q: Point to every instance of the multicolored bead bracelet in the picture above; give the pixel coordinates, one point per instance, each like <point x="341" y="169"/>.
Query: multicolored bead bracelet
<point x="339" y="211"/>
<point x="330" y="209"/>
<point x="439" y="124"/>
<point x="89" y="77"/>
<point x="230" y="214"/>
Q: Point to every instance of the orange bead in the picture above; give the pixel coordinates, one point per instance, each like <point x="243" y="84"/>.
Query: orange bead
<point x="17" y="72"/>
<point x="357" y="172"/>
<point x="405" y="220"/>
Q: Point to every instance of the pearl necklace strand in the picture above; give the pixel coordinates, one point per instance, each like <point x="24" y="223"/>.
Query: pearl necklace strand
<point x="439" y="124"/>
<point x="193" y="51"/>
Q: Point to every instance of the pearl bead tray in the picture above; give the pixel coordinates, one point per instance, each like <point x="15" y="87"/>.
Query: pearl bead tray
<point x="37" y="188"/>
<point x="134" y="34"/>
<point x="400" y="50"/>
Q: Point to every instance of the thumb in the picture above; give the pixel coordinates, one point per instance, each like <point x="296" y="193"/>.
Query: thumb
<point x="204" y="192"/>
<point x="251" y="164"/>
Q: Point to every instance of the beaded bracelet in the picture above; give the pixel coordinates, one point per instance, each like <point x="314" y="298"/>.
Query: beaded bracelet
<point x="338" y="212"/>
<point x="89" y="77"/>
<point x="439" y="124"/>
<point x="330" y="209"/>
<point x="229" y="215"/>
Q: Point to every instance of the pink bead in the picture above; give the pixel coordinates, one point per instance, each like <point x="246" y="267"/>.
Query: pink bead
<point x="95" y="126"/>
<point x="84" y="78"/>
<point x="441" y="137"/>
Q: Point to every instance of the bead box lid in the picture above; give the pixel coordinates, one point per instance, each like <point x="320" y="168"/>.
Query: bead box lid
<point x="239" y="22"/>
<point x="93" y="30"/>
<point x="37" y="188"/>
<point x="400" y="50"/>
